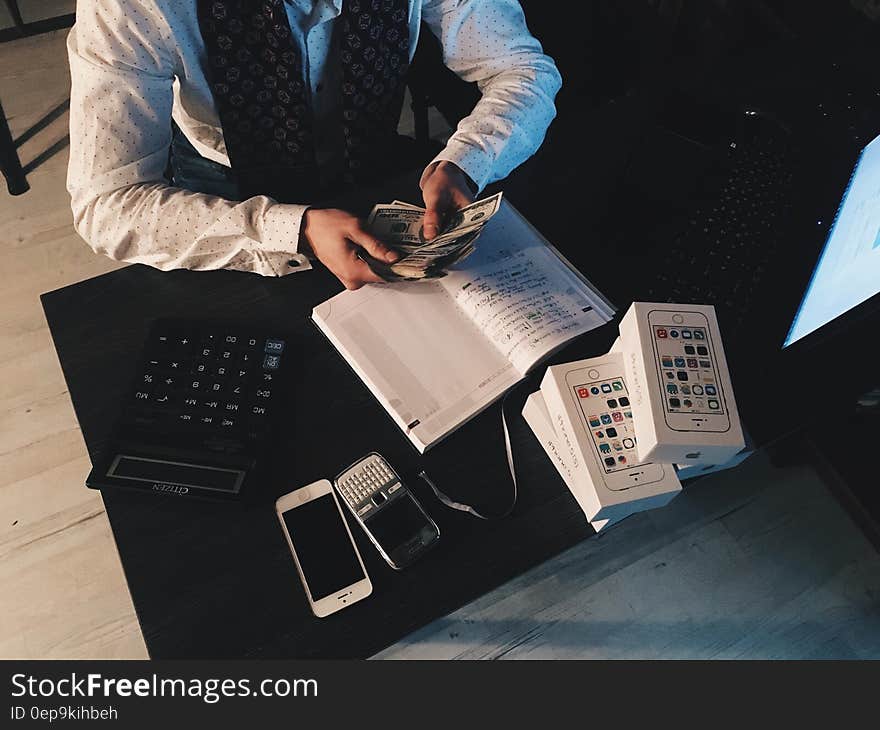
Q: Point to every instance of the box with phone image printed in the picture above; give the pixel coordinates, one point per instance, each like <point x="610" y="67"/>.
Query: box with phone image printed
<point x="683" y="405"/>
<point x="537" y="417"/>
<point x="590" y="409"/>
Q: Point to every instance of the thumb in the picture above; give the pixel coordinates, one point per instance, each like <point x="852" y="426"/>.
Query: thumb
<point x="431" y="224"/>
<point x="372" y="245"/>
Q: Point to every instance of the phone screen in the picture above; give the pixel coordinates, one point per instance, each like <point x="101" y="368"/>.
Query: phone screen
<point x="397" y="523"/>
<point x="323" y="546"/>
<point x="606" y="410"/>
<point x="688" y="375"/>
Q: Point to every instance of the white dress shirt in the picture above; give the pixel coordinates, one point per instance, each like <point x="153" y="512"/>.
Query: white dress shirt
<point x="136" y="64"/>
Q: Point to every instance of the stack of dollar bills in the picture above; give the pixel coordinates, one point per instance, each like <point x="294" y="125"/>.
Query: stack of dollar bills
<point x="399" y="225"/>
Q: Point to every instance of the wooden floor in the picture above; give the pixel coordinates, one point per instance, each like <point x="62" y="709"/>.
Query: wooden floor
<point x="760" y="562"/>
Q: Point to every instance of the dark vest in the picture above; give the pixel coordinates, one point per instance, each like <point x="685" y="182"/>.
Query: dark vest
<point x="263" y="99"/>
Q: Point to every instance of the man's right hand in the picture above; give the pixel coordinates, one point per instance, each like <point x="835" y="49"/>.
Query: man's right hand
<point x="335" y="236"/>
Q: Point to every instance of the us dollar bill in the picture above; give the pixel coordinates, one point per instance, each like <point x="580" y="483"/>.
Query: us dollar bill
<point x="399" y="225"/>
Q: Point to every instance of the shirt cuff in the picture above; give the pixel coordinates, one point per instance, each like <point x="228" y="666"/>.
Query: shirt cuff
<point x="474" y="162"/>
<point x="279" y="247"/>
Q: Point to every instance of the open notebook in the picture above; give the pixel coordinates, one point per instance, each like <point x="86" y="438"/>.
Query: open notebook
<point x="437" y="353"/>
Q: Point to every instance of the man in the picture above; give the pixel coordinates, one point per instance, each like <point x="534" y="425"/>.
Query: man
<point x="274" y="102"/>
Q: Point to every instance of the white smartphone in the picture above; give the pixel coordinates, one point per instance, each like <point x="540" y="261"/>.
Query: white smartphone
<point x="327" y="560"/>
<point x="604" y="408"/>
<point x="687" y="367"/>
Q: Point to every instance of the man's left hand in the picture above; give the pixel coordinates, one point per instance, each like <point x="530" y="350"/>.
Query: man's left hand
<point x="445" y="190"/>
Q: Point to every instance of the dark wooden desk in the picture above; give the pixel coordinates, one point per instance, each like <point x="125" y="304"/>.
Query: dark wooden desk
<point x="213" y="580"/>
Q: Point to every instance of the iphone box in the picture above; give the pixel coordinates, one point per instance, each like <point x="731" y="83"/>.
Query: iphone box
<point x="589" y="407"/>
<point x="683" y="406"/>
<point x="538" y="418"/>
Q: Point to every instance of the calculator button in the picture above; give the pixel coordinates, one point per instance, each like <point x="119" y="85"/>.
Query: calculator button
<point x="141" y="395"/>
<point x="215" y="388"/>
<point x="206" y="352"/>
<point x="264" y="393"/>
<point x="271" y="362"/>
<point x="221" y="371"/>
<point x="274" y="347"/>
<point x="259" y="411"/>
<point x="195" y="385"/>
<point x="393" y="489"/>
<point x="231" y="407"/>
<point x="227" y="423"/>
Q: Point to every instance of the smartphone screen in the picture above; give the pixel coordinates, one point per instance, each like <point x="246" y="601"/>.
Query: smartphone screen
<point x="688" y="374"/>
<point x="397" y="523"/>
<point x="606" y="410"/>
<point x="323" y="546"/>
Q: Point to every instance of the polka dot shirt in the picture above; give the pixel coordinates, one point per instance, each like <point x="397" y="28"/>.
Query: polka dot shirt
<point x="136" y="64"/>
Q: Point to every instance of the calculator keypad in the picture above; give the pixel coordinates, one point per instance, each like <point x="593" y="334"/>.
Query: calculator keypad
<point x="206" y="383"/>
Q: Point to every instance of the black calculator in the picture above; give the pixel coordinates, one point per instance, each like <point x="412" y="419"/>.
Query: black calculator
<point x="197" y="420"/>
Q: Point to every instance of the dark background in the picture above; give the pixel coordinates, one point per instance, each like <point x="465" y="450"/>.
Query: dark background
<point x="646" y="87"/>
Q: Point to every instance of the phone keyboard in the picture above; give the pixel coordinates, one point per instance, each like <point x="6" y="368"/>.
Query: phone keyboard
<point x="369" y="485"/>
<point x="210" y="384"/>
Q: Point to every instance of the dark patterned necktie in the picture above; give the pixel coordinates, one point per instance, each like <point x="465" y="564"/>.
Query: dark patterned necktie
<point x="263" y="99"/>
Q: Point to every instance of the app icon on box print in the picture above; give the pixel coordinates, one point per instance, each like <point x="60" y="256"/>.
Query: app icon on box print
<point x="686" y="334"/>
<point x="594" y="421"/>
<point x="621" y="459"/>
<point x="611" y="431"/>
<point x="583" y="393"/>
<point x="628" y="443"/>
<point x="661" y="333"/>
<point x="606" y="388"/>
<point x="673" y="333"/>
<point x="713" y="403"/>
<point x="605" y="448"/>
<point x="609" y="460"/>
<point x="699" y="334"/>
<point x="623" y="400"/>
<point x="617" y="385"/>
<point x="594" y="390"/>
<point x="612" y="403"/>
<point x="617" y="416"/>
<point x="711" y="390"/>
<point x="606" y="419"/>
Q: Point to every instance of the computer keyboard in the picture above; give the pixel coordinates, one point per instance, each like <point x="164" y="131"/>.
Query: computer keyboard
<point x="199" y="414"/>
<point x="725" y="246"/>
